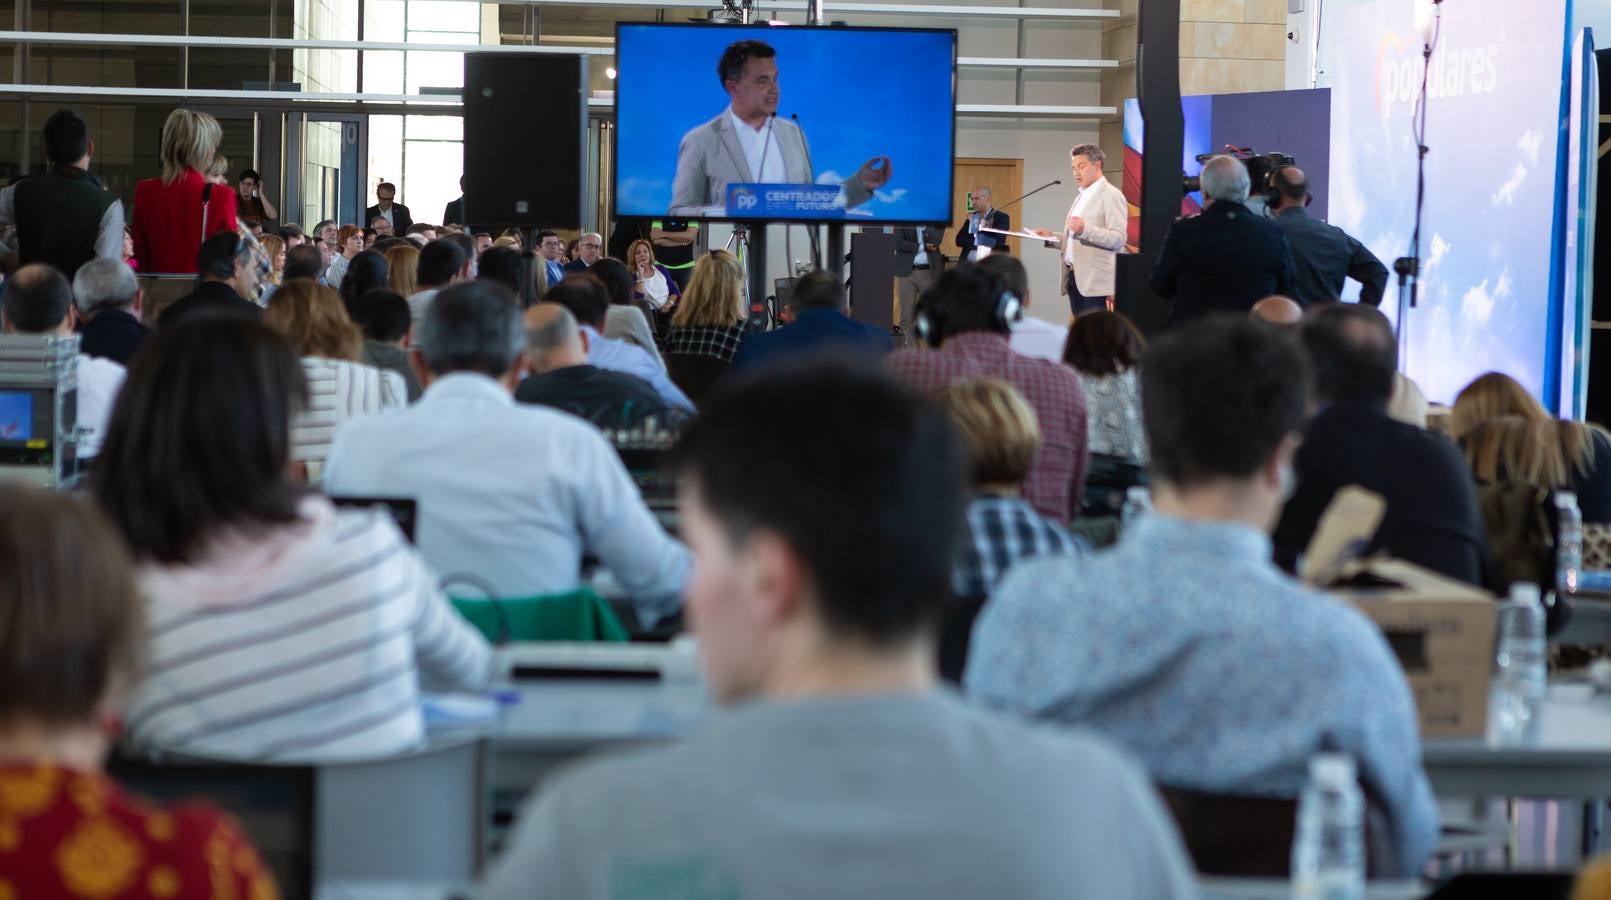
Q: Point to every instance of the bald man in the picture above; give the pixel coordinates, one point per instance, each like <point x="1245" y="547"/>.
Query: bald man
<point x="1278" y="310"/>
<point x="556" y="357"/>
<point x="1323" y="255"/>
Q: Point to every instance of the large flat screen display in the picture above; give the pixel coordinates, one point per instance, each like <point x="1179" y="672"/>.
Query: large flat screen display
<point x="784" y="123"/>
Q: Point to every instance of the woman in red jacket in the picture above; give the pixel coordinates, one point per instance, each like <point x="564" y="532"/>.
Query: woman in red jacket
<point x="170" y="217"/>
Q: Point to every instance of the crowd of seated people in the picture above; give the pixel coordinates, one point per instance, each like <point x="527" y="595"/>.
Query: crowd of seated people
<point x="836" y="498"/>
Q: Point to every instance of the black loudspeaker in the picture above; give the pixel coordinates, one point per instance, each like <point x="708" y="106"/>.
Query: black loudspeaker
<point x="525" y="139"/>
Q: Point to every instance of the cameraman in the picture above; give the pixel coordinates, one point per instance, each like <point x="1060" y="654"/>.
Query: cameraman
<point x="1322" y="254"/>
<point x="1226" y="259"/>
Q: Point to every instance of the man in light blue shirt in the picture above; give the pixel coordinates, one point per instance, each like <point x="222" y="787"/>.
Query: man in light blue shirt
<point x="511" y="494"/>
<point x="587" y="300"/>
<point x="1185" y="643"/>
<point x="550" y="248"/>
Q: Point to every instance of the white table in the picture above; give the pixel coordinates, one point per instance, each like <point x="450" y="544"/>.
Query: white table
<point x="1280" y="889"/>
<point x="1570" y="759"/>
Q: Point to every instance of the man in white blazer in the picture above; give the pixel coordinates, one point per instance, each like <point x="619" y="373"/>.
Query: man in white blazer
<point x="1093" y="235"/>
<point x="748" y="143"/>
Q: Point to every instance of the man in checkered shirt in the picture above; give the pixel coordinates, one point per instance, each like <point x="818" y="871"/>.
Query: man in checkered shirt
<point x="965" y="324"/>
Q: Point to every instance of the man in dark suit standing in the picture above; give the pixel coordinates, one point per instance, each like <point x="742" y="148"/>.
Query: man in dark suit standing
<point x="395" y="213"/>
<point x="815" y="310"/>
<point x="970" y="238"/>
<point x="453" y="213"/>
<point x="1226" y="259"/>
<point x="1322" y="254"/>
<point x="917" y="263"/>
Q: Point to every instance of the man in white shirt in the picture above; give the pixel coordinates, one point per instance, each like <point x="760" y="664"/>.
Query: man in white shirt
<point x="512" y="495"/>
<point x="838" y="768"/>
<point x="38" y="300"/>
<point x="1093" y="236"/>
<point x="588" y="302"/>
<point x="442" y="262"/>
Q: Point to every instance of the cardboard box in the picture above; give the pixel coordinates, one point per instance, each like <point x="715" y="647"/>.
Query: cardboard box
<point x="1442" y="632"/>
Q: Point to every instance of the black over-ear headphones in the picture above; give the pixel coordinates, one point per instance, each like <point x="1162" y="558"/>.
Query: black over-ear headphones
<point x="929" y="318"/>
<point x="1272" y="192"/>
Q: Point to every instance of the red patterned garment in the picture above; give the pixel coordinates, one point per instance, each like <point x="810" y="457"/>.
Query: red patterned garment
<point x="70" y="835"/>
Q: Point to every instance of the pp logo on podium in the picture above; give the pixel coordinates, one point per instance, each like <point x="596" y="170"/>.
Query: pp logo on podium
<point x="744" y="199"/>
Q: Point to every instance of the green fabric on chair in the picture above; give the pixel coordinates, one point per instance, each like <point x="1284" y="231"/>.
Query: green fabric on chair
<point x="579" y="615"/>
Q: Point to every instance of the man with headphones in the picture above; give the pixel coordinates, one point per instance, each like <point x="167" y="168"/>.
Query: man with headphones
<point x="965" y="321"/>
<point x="1322" y="254"/>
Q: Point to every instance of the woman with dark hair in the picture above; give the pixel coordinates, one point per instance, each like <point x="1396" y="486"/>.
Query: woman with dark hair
<point x="510" y="267"/>
<point x="1103" y="348"/>
<point x="367" y="272"/>
<point x="628" y="319"/>
<point x="72" y="634"/>
<point x="280" y="629"/>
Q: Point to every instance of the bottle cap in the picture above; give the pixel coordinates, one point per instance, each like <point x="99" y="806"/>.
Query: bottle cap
<point x="1331" y="768"/>
<point x="1525" y="593"/>
<point x="1562" y="498"/>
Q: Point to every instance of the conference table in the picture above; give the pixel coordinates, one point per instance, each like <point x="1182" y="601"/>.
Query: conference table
<point x="1569" y="758"/>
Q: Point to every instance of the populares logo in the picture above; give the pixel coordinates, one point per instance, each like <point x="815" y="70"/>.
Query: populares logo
<point x="1456" y="72"/>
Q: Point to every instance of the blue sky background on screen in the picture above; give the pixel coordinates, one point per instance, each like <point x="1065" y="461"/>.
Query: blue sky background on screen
<point x="858" y="94"/>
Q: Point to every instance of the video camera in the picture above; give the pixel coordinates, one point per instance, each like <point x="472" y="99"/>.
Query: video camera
<point x="1259" y="166"/>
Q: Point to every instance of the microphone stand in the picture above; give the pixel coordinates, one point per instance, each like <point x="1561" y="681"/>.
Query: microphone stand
<point x="1031" y="193"/>
<point x="1408" y="268"/>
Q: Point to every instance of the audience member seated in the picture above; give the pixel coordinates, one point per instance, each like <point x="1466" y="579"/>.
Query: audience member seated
<point x="998" y="427"/>
<point x="228" y="275"/>
<point x="274" y="249"/>
<point x="514" y="495"/>
<point x="1185" y="643"/>
<point x="176" y="213"/>
<point x="280" y="628"/>
<point x="1103" y="348"/>
<point x="72" y="638"/>
<point x="1432" y="518"/>
<point x="652" y="283"/>
<point x="1226" y="259"/>
<point x="556" y="355"/>
<point x="443" y="262"/>
<point x="305" y="262"/>
<point x="403" y="268"/>
<point x="349" y="243"/>
<point x="819" y="322"/>
<point x="627" y="319"/>
<point x="584" y="295"/>
<point x="368" y="271"/>
<point x="340" y="387"/>
<point x="709" y="321"/>
<point x="37" y="300"/>
<point x="1408" y="404"/>
<point x="841" y="769"/>
<point x="1508" y="437"/>
<point x="1030" y="336"/>
<point x="510" y="267"/>
<point x="108" y="299"/>
<point x="967" y="316"/>
<point x="384" y="318"/>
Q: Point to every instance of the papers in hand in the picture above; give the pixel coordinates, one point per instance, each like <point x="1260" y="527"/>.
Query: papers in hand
<point x="1026" y="235"/>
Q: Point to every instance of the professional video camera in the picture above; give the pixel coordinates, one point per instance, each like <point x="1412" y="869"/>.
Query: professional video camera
<point x="1259" y="166"/>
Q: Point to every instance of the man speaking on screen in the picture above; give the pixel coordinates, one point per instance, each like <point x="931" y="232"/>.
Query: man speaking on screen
<point x="748" y="143"/>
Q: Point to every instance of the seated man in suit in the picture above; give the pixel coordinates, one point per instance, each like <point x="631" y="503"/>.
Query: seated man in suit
<point x="818" y="321"/>
<point x="748" y="143"/>
<point x="589" y="250"/>
<point x="1432" y="518"/>
<point x="1226" y="259"/>
<point x="969" y="239"/>
<point x="1184" y="643"/>
<point x="556" y="355"/>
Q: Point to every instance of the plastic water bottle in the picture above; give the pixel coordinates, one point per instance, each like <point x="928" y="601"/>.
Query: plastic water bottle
<point x="1523" y="665"/>
<point x="1568" y="545"/>
<point x="1328" y="851"/>
<point x="1137" y="501"/>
